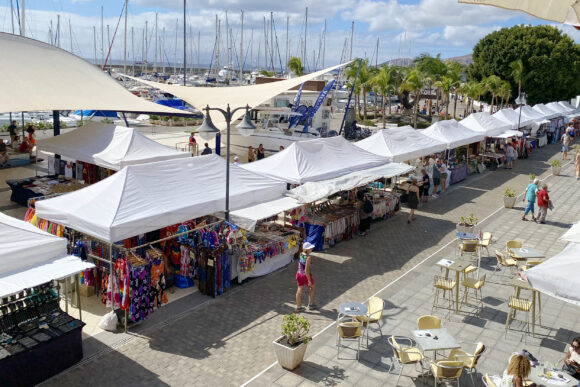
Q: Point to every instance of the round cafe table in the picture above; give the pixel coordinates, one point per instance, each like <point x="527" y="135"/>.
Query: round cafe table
<point x="352" y="309"/>
<point x="537" y="376"/>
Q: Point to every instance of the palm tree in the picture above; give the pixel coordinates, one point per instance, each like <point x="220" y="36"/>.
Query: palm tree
<point x="433" y="69"/>
<point x="295" y="65"/>
<point x="517" y="67"/>
<point x="350" y="74"/>
<point x="267" y="73"/>
<point x="364" y="77"/>
<point x="414" y="82"/>
<point x="492" y="85"/>
<point x="373" y="71"/>
<point x="454" y="73"/>
<point x="445" y="85"/>
<point x="505" y="92"/>
<point x="382" y="85"/>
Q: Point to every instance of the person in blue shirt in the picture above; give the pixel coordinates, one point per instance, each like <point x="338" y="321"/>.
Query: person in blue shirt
<point x="530" y="196"/>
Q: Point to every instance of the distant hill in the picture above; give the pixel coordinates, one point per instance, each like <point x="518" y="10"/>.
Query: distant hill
<point x="464" y="60"/>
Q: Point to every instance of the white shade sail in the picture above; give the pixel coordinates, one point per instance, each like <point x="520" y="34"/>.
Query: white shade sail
<point x="573" y="234"/>
<point x="452" y="134"/>
<point x="558" y="276"/>
<point x="147" y="197"/>
<point x="546" y="111"/>
<point x="484" y="123"/>
<point x="509" y="116"/>
<point x="109" y="146"/>
<point x="39" y="76"/>
<point x="313" y="160"/>
<point x="561" y="11"/>
<point x="401" y="144"/>
<point x="235" y="96"/>
<point x="30" y="256"/>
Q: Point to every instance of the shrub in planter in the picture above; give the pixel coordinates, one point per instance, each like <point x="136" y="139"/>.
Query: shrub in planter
<point x="556" y="167"/>
<point x="291" y="346"/>
<point x="509" y="198"/>
<point x="467" y="223"/>
<point x="532" y="176"/>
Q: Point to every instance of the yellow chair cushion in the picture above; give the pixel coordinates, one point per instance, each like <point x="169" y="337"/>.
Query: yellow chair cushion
<point x="440" y="370"/>
<point x="520" y="304"/>
<point x="474" y="283"/>
<point x="349" y="330"/>
<point x="410" y="355"/>
<point x="445" y="284"/>
<point x="428" y="322"/>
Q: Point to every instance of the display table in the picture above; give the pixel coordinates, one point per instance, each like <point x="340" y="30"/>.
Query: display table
<point x="25" y="189"/>
<point x="542" y="141"/>
<point x="458" y="173"/>
<point x="268" y="266"/>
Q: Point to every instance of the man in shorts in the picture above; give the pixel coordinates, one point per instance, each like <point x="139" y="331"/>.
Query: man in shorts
<point x="436" y="177"/>
<point x="565" y="145"/>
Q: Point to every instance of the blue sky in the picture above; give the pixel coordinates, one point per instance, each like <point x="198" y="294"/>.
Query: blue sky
<point x="405" y="28"/>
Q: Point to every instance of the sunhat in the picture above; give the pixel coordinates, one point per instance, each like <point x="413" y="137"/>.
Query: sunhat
<point x="307" y="246"/>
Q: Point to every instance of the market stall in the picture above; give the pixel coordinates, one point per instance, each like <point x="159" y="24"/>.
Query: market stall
<point x="149" y="222"/>
<point x="556" y="121"/>
<point x="313" y="160"/>
<point x="33" y="328"/>
<point x="513" y="118"/>
<point x="458" y="138"/>
<point x="538" y="130"/>
<point x="401" y="144"/>
<point x="94" y="152"/>
<point x="485" y="124"/>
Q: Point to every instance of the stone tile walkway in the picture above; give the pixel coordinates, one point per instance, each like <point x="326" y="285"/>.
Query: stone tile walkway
<point x="227" y="341"/>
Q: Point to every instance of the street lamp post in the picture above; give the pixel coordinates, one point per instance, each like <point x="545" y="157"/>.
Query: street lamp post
<point x="521" y="100"/>
<point x="207" y="130"/>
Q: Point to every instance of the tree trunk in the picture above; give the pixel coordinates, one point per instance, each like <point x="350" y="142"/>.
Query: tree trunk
<point x="491" y="107"/>
<point x="376" y="111"/>
<point x="364" y="106"/>
<point x="383" y="106"/>
<point x="447" y="106"/>
<point x="437" y="101"/>
<point x="416" y="109"/>
<point x="455" y="106"/>
<point x="429" y="104"/>
<point x="389" y="103"/>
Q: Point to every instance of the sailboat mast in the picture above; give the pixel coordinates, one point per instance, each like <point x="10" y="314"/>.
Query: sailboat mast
<point x="351" y="38"/>
<point x="133" y="48"/>
<point x="146" y="60"/>
<point x="95" y="44"/>
<point x="175" y="47"/>
<point x="102" y="38"/>
<point x="198" y="50"/>
<point x="70" y="34"/>
<point x="324" y="44"/>
<point x="287" y="46"/>
<point x="305" y="31"/>
<point x="265" y="45"/>
<point x="242" y="51"/>
<point x="57" y="31"/>
<point x="12" y="15"/>
<point x="377" y="54"/>
<point x="125" y="43"/>
<point x="162" y="50"/>
<point x="184" y="44"/>
<point x="272" y="41"/>
<point x="23" y="20"/>
<point x="156" y="37"/>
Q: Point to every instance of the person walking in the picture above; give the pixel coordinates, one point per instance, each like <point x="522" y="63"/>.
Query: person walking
<point x="425" y="186"/>
<point x="565" y="145"/>
<point x="304" y="277"/>
<point x="444" y="173"/>
<point x="412" y="198"/>
<point x="261" y="152"/>
<point x="436" y="177"/>
<point x="251" y="154"/>
<point x="530" y="196"/>
<point x="543" y="203"/>
<point x="510" y="156"/>
<point x="577" y="164"/>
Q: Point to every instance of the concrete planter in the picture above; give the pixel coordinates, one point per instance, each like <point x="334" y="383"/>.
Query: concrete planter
<point x="509" y="202"/>
<point x="463" y="228"/>
<point x="289" y="357"/>
<point x="556" y="171"/>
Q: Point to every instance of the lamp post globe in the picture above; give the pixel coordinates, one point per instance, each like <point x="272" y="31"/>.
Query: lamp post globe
<point x="207" y="130"/>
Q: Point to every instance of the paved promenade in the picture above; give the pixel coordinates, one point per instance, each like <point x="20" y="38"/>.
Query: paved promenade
<point x="227" y="341"/>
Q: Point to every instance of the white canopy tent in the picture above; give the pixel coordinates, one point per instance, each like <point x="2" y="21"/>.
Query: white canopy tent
<point x="546" y="111"/>
<point x="557" y="107"/>
<point x="532" y="114"/>
<point x="40" y="77"/>
<point x="573" y="111"/>
<point x="484" y="123"/>
<point x="147" y="197"/>
<point x="235" y="96"/>
<point x="401" y="144"/>
<point x="558" y="276"/>
<point x="313" y="191"/>
<point x="313" y="160"/>
<point x="108" y="146"/>
<point x="451" y="133"/>
<point x="30" y="256"/>
<point x="573" y="234"/>
<point x="509" y="116"/>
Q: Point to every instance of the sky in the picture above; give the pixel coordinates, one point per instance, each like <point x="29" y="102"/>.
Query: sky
<point x="403" y="28"/>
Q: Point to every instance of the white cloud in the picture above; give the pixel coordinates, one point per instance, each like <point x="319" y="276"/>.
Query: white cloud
<point x="466" y="35"/>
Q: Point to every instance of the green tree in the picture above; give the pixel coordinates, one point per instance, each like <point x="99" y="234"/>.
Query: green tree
<point x="517" y="73"/>
<point x="446" y="84"/>
<point x="550" y="58"/>
<point x="432" y="68"/>
<point x="363" y="84"/>
<point x="267" y="73"/>
<point x="505" y="92"/>
<point x="414" y="82"/>
<point x="492" y="85"/>
<point x="383" y="84"/>
<point x="295" y="65"/>
<point x="454" y="70"/>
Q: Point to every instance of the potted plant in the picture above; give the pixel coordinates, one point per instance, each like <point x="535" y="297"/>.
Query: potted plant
<point x="291" y="346"/>
<point x="532" y="177"/>
<point x="509" y="198"/>
<point x="467" y="224"/>
<point x="556" y="167"/>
